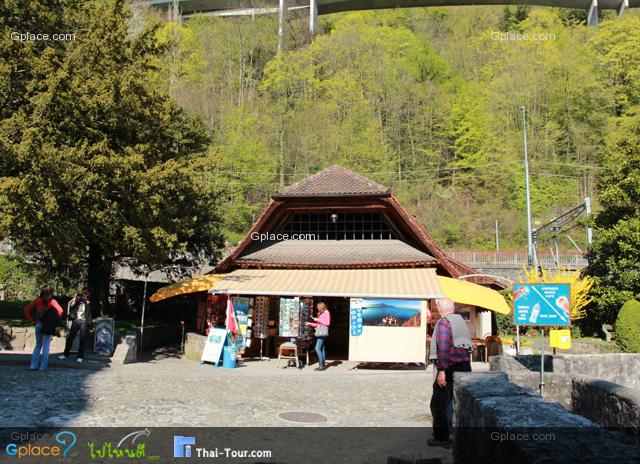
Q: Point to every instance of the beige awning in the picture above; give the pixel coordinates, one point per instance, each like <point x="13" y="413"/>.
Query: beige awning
<point x="418" y="284"/>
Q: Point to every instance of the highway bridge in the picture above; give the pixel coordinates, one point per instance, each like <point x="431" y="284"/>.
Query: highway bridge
<point x="322" y="7"/>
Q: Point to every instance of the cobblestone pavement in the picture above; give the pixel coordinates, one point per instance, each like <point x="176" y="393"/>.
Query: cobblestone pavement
<point x="170" y="391"/>
<point x="166" y="390"/>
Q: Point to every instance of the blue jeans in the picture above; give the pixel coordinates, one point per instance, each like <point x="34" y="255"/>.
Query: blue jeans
<point x="43" y="342"/>
<point x="321" y="343"/>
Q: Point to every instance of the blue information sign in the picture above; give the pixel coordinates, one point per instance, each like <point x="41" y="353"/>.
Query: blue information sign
<point x="542" y="304"/>
<point x="356" y="317"/>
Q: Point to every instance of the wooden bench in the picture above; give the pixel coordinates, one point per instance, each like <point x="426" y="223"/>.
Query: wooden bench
<point x="609" y="332"/>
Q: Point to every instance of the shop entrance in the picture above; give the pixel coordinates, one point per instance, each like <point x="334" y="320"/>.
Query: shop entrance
<point x="338" y="341"/>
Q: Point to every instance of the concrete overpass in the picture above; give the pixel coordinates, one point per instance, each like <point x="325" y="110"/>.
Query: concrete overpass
<point x="322" y="7"/>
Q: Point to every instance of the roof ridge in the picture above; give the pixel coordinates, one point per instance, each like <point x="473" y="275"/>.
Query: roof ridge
<point x="334" y="180"/>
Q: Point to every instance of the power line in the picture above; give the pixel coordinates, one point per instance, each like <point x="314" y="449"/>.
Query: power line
<point x="407" y="172"/>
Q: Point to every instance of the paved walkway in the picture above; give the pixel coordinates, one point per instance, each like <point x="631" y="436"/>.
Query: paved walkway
<point x="166" y="390"/>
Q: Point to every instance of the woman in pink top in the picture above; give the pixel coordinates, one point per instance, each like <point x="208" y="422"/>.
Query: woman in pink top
<point x="322" y="323"/>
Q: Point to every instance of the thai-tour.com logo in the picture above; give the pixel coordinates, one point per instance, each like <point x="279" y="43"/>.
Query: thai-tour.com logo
<point x="126" y="448"/>
<point x="22" y="448"/>
<point x="184" y="447"/>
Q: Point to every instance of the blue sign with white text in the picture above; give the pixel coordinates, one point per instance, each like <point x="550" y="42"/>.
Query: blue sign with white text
<point x="542" y="304"/>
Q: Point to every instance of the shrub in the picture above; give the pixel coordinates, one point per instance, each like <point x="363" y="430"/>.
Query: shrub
<point x="13" y="309"/>
<point x="505" y="324"/>
<point x="628" y="327"/>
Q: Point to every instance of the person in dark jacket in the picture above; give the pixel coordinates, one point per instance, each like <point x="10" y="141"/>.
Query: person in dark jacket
<point x="45" y="313"/>
<point x="79" y="314"/>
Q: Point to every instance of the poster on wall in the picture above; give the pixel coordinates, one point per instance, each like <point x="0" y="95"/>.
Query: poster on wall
<point x="241" y="308"/>
<point x="387" y="330"/>
<point x="391" y="313"/>
<point x="355" y="316"/>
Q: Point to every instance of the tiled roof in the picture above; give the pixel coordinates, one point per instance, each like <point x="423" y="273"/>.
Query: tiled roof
<point x="334" y="181"/>
<point x="335" y="253"/>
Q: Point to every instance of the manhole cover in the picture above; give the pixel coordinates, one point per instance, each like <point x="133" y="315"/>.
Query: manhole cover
<point x="305" y="417"/>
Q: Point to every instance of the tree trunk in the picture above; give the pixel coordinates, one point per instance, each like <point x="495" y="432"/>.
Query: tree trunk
<point x="99" y="277"/>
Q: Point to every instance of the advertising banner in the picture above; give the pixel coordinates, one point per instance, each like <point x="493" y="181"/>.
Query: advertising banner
<point x="213" y="345"/>
<point x="542" y="304"/>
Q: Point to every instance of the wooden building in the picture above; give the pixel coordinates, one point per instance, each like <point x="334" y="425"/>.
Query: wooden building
<point x="344" y="239"/>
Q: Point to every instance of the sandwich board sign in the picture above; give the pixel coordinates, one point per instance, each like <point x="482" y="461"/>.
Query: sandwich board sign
<point x="103" y="342"/>
<point x="542" y="305"/>
<point x="213" y="345"/>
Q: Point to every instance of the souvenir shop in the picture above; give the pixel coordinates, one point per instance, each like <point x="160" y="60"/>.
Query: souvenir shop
<point x="375" y="323"/>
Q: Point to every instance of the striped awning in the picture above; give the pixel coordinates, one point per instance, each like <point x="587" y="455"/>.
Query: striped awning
<point x="417" y="284"/>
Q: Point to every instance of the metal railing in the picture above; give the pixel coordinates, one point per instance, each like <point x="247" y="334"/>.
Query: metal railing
<point x="517" y="258"/>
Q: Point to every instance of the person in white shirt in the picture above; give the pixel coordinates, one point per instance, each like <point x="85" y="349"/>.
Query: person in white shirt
<point x="79" y="314"/>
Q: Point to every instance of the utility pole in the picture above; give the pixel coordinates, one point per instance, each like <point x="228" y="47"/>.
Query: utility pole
<point x="587" y="212"/>
<point x="313" y="17"/>
<point x="281" y="11"/>
<point x="497" y="237"/>
<point x="530" y="251"/>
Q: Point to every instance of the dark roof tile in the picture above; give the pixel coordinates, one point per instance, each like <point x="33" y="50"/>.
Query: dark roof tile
<point x="334" y="181"/>
<point x="339" y="253"/>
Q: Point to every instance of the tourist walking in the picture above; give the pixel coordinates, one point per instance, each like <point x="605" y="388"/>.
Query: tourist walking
<point x="322" y="323"/>
<point x="449" y="350"/>
<point x="44" y="312"/>
<point x="79" y="314"/>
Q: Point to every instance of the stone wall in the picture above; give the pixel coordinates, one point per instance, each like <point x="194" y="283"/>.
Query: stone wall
<point x="126" y="351"/>
<point x="608" y="404"/>
<point x="604" y="402"/>
<point x="24" y="339"/>
<point x="620" y="368"/>
<point x="159" y="335"/>
<point x="193" y="346"/>
<point x="499" y="422"/>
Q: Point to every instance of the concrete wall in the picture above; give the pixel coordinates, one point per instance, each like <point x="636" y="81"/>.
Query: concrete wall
<point x="499" y="422"/>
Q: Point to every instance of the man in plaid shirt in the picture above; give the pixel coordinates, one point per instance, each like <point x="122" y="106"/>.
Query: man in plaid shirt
<point x="448" y="359"/>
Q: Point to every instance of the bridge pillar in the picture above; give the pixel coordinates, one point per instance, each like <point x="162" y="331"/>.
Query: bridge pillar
<point x="592" y="15"/>
<point x="313" y="17"/>
<point x="623" y="6"/>
<point x="282" y="8"/>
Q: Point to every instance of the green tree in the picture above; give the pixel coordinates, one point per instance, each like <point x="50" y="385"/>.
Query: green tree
<point x="614" y="257"/>
<point x="102" y="166"/>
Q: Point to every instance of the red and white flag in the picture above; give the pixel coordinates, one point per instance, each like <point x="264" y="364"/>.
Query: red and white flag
<point x="231" y="324"/>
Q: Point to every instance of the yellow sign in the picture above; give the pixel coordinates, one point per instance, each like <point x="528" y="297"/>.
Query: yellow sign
<point x="561" y="338"/>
